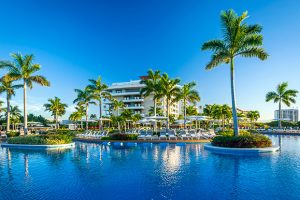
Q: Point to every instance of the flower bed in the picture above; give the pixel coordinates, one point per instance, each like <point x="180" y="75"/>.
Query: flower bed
<point x="48" y="139"/>
<point x="245" y="140"/>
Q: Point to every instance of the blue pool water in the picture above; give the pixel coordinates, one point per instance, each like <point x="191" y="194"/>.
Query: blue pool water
<point x="145" y="171"/>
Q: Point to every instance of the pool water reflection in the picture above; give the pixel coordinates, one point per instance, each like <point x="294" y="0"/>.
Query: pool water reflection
<point x="149" y="171"/>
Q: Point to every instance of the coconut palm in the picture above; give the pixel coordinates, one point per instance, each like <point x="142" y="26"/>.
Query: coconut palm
<point x="225" y="113"/>
<point x="7" y="87"/>
<point x="209" y="110"/>
<point x="98" y="88"/>
<point x="80" y="111"/>
<point x="151" y="111"/>
<point x="170" y="91"/>
<point x="253" y="116"/>
<point x="75" y="116"/>
<point x="117" y="106"/>
<point x="23" y="68"/>
<point x="85" y="98"/>
<point x="239" y="39"/>
<point x="15" y="115"/>
<point x="282" y="95"/>
<point x="151" y="86"/>
<point x="135" y="118"/>
<point x="57" y="109"/>
<point x="188" y="94"/>
<point x="191" y="110"/>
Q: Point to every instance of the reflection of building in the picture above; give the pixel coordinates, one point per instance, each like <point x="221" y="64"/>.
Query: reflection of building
<point x="129" y="94"/>
<point x="287" y="115"/>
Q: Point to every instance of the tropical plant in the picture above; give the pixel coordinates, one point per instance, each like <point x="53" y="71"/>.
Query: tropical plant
<point x="152" y="87"/>
<point x="188" y="94"/>
<point x="85" y="98"/>
<point x="57" y="109"/>
<point x="136" y="118"/>
<point x="170" y="91"/>
<point x="239" y="39"/>
<point x="225" y="113"/>
<point x="8" y="88"/>
<point x="253" y="116"/>
<point x="93" y="116"/>
<point x="23" y="68"/>
<point x="282" y="95"/>
<point x="15" y="115"/>
<point x="117" y="106"/>
<point x="159" y="111"/>
<point x="98" y="88"/>
<point x="191" y="110"/>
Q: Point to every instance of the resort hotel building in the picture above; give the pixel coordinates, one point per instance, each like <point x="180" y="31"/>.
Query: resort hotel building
<point x="129" y="94"/>
<point x="290" y="115"/>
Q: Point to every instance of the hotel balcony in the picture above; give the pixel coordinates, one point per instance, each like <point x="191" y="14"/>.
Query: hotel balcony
<point x="133" y="100"/>
<point x="135" y="107"/>
<point x="115" y="94"/>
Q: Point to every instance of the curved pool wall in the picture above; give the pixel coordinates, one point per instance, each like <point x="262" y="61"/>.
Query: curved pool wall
<point x="240" y="151"/>
<point x="28" y="146"/>
<point x="149" y="171"/>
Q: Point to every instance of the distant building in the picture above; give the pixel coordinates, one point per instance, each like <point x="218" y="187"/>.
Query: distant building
<point x="290" y="115"/>
<point x="129" y="94"/>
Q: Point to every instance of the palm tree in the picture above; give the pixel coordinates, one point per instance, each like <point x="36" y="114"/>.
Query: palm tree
<point x="85" y="98"/>
<point x="188" y="94"/>
<point x="135" y="118"/>
<point x="209" y="110"/>
<point x="151" y="111"/>
<point x="170" y="91"/>
<point x="225" y="113"/>
<point x="23" y="68"/>
<point x="98" y="88"/>
<point x="7" y="87"/>
<point x="15" y="115"/>
<point x="282" y="95"/>
<point x="80" y="112"/>
<point x="57" y="108"/>
<point x="253" y="116"/>
<point x="75" y="116"/>
<point x="239" y="39"/>
<point x="116" y="106"/>
<point x="191" y="110"/>
<point x="151" y="86"/>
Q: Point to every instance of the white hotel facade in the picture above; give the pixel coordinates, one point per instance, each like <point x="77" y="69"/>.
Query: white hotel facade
<point x="291" y="115"/>
<point x="129" y="94"/>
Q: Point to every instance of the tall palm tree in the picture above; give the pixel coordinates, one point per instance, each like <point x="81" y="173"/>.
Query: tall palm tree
<point x="57" y="109"/>
<point x="116" y="106"/>
<point x="188" y="94"/>
<point x="170" y="91"/>
<point x="239" y="39"/>
<point x="253" y="116"/>
<point x="7" y="87"/>
<point x="98" y="88"/>
<point x="191" y="110"/>
<point x="151" y="86"/>
<point x="75" y="116"/>
<point x="158" y="110"/>
<point x="23" y="68"/>
<point x="85" y="98"/>
<point x="225" y="113"/>
<point x="80" y="111"/>
<point x="209" y="110"/>
<point x="282" y="95"/>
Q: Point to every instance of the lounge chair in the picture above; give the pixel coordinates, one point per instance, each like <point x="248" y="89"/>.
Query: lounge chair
<point x="142" y="135"/>
<point x="184" y="135"/>
<point x="163" y="135"/>
<point x="172" y="135"/>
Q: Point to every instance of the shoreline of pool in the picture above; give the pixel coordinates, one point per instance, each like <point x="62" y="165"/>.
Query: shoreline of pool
<point x="139" y="141"/>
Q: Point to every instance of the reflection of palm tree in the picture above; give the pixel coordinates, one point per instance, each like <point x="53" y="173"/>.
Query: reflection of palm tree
<point x="7" y="87"/>
<point x="85" y="98"/>
<point x="282" y="95"/>
<point x="23" y="68"/>
<point x="239" y="39"/>
<point x="98" y="88"/>
<point x="188" y="94"/>
<point x="57" y="108"/>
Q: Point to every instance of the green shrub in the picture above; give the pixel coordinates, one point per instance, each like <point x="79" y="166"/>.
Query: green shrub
<point x="13" y="134"/>
<point x="49" y="139"/>
<point x="120" y="136"/>
<point x="245" y="140"/>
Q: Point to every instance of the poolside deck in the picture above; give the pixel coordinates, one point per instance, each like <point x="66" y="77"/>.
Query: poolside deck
<point x="141" y="141"/>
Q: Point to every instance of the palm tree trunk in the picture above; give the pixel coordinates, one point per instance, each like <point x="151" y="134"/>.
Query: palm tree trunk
<point x="168" y="119"/>
<point x="119" y="128"/>
<point x="100" y="114"/>
<point x="279" y="115"/>
<point x="154" y="105"/>
<point x="234" y="114"/>
<point x="86" y="117"/>
<point x="8" y="114"/>
<point x="184" y="113"/>
<point x="25" y="107"/>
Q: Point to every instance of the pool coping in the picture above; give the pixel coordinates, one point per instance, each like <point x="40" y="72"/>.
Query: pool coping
<point x="240" y="151"/>
<point x="140" y="141"/>
<point x="29" y="146"/>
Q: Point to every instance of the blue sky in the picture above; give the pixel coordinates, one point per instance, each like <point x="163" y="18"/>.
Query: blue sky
<point x="121" y="40"/>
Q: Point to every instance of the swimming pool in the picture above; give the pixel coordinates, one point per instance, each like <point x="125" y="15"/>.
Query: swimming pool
<point x="149" y="171"/>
